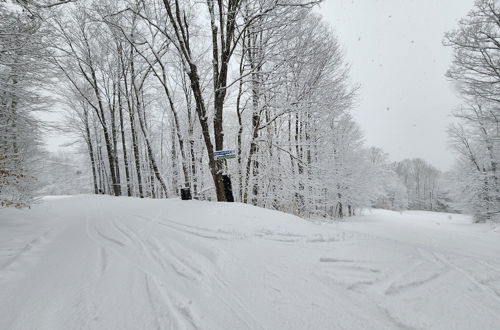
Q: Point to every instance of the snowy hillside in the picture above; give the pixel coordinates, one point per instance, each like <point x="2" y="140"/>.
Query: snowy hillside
<point x="91" y="262"/>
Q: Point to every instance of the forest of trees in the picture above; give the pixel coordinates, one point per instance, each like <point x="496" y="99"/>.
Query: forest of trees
<point x="154" y="88"/>
<point x="23" y="50"/>
<point x="475" y="135"/>
<point x="151" y="89"/>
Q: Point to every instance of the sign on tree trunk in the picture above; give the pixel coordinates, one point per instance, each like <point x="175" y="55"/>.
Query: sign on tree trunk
<point x="224" y="154"/>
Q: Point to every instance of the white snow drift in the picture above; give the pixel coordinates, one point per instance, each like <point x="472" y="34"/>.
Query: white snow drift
<point x="122" y="263"/>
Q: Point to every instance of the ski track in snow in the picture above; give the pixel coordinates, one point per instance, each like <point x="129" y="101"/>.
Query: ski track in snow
<point x="90" y="262"/>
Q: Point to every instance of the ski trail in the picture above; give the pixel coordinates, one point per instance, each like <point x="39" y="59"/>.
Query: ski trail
<point x="119" y="263"/>
<point x="174" y="256"/>
<point x="180" y="314"/>
<point x="103" y="260"/>
<point x="424" y="271"/>
<point x="208" y="235"/>
<point x="485" y="288"/>
<point x="396" y="320"/>
<point x="33" y="244"/>
<point x="108" y="238"/>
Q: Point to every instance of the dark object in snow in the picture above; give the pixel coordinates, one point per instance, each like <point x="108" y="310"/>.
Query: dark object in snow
<point x="186" y="194"/>
<point x="228" y="190"/>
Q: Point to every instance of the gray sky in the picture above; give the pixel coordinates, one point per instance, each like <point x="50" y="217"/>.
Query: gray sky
<point x="396" y="54"/>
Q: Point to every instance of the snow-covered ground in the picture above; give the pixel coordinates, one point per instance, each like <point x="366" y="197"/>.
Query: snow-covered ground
<point x="90" y="262"/>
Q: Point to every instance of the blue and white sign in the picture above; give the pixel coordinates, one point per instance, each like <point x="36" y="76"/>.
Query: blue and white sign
<point x="224" y="154"/>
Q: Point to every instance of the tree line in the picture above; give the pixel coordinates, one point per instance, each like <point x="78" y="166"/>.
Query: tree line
<point x="475" y="135"/>
<point x="151" y="89"/>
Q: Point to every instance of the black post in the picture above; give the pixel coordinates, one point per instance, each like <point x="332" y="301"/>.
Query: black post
<point x="228" y="189"/>
<point x="186" y="194"/>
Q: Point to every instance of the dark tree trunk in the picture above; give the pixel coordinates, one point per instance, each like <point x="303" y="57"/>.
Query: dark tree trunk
<point x="90" y="149"/>
<point x="133" y="130"/>
<point x="112" y="108"/>
<point x="124" y="145"/>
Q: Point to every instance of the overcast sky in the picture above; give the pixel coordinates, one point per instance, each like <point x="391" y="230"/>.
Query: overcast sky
<point x="396" y="55"/>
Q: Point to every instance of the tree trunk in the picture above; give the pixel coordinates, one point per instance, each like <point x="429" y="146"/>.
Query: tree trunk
<point x="133" y="131"/>
<point x="144" y="133"/>
<point x="90" y="149"/>
<point x="124" y="146"/>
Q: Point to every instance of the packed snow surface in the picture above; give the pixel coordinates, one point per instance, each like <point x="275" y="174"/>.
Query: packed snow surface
<point x="91" y="262"/>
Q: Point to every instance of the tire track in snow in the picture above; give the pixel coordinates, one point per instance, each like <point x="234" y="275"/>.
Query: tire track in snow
<point x="155" y="257"/>
<point x="208" y="234"/>
<point x="197" y="231"/>
<point x="178" y="314"/>
<point x="34" y="243"/>
<point x="488" y="265"/>
<point x="491" y="292"/>
<point x="160" y="319"/>
<point x="366" y="310"/>
<point x="107" y="238"/>
<point x="158" y="253"/>
<point x="130" y="235"/>
<point x="169" y="261"/>
<point x="154" y="252"/>
<point x="182" y="310"/>
<point x="27" y="256"/>
<point x="243" y="311"/>
<point x="103" y="259"/>
<point x="170" y="255"/>
<point x="181" y="315"/>
<point x="350" y="274"/>
<point x="395" y="320"/>
<point x="412" y="284"/>
<point x="483" y="285"/>
<point x="424" y="271"/>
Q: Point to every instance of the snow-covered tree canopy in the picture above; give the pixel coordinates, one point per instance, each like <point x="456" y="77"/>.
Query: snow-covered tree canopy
<point x="476" y="134"/>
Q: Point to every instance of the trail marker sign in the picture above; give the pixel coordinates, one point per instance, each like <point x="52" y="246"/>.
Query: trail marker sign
<point x="224" y="154"/>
